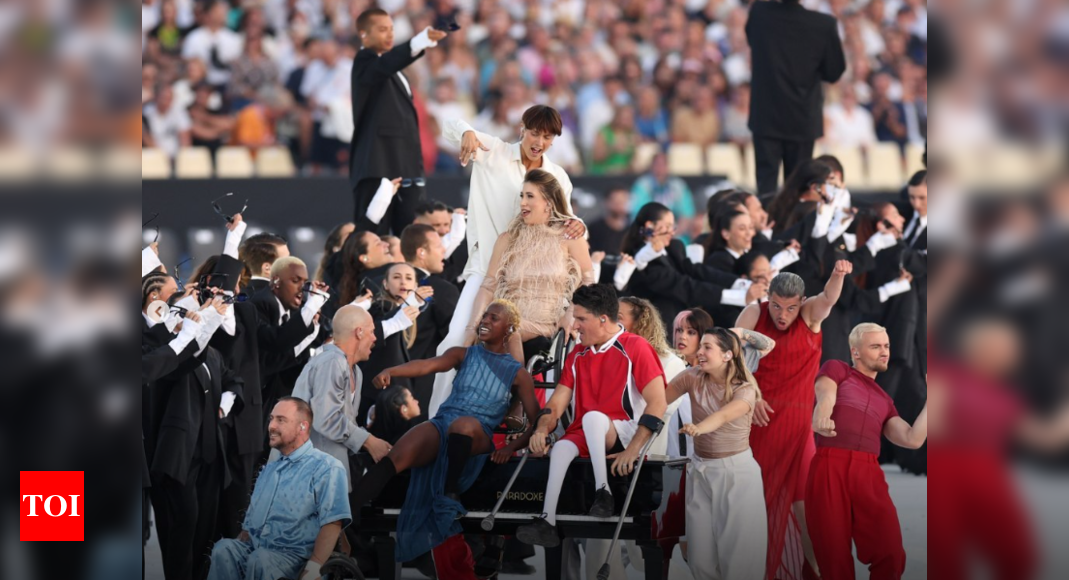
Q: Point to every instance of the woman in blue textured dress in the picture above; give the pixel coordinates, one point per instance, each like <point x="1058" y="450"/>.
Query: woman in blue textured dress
<point x="447" y="453"/>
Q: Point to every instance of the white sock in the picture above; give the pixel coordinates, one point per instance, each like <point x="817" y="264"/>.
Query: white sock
<point x="562" y="456"/>
<point x="596" y="427"/>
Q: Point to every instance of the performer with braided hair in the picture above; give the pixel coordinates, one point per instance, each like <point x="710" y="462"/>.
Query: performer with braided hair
<point x="447" y="453"/>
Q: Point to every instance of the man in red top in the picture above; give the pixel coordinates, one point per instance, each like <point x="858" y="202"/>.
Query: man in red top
<point x="783" y="446"/>
<point x="847" y="499"/>
<point x="615" y="385"/>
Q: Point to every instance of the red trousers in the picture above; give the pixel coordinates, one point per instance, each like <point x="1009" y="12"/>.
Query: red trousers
<point x="453" y="560"/>
<point x="847" y="502"/>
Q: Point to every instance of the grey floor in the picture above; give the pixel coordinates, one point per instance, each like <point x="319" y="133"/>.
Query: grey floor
<point x="910" y="495"/>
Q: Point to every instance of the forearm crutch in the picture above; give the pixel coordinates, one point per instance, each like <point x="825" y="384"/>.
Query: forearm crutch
<point x="488" y="522"/>
<point x="653" y="424"/>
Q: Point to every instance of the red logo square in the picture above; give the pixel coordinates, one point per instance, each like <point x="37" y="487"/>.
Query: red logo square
<point x="52" y="506"/>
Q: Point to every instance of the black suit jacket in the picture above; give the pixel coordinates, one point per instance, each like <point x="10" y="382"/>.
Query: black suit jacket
<point x="794" y="51"/>
<point x="242" y="354"/>
<point x="455" y="265"/>
<point x="279" y="367"/>
<point x="432" y="326"/>
<point x="386" y="139"/>
<point x="181" y="413"/>
<point x="673" y="284"/>
<point x="156" y="363"/>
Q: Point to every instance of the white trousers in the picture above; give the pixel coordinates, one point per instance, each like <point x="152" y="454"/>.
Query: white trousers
<point x="443" y="382"/>
<point x="727" y="523"/>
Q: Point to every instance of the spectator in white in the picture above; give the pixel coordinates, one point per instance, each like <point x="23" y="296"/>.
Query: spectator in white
<point x="444" y="107"/>
<point x="170" y="125"/>
<point x="736" y="127"/>
<point x="327" y="87"/>
<point x="214" y="43"/>
<point x="848" y="124"/>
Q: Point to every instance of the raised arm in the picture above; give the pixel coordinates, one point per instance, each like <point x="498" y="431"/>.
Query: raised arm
<point x="827" y="393"/>
<point x="817" y="309"/>
<point x="452" y="359"/>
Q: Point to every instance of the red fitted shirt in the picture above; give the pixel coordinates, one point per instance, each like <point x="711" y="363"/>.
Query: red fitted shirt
<point x="611" y="380"/>
<point x="862" y="409"/>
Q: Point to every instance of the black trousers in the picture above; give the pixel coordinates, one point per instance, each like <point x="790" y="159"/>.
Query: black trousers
<point x="771" y="154"/>
<point x="234" y="502"/>
<point x="186" y="517"/>
<point x="400" y="215"/>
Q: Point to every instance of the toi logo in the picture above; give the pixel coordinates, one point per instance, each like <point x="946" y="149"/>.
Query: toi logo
<point x="52" y="506"/>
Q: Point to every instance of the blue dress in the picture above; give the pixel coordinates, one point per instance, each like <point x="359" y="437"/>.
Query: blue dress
<point x="481" y="390"/>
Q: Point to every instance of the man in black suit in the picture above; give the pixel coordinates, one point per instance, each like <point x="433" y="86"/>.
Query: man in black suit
<point x="288" y="328"/>
<point x="424" y="251"/>
<point x="386" y="142"/>
<point x="259" y="253"/>
<point x="188" y="459"/>
<point x="451" y="226"/>
<point x="794" y="51"/>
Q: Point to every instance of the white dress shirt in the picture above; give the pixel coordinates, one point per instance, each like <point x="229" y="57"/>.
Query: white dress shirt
<point x="917" y="226"/>
<point x="228" y="45"/>
<point x="494" y="201"/>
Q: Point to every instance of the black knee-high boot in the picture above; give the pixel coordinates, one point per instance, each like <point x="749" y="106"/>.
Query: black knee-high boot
<point x="371" y="486"/>
<point x="458" y="452"/>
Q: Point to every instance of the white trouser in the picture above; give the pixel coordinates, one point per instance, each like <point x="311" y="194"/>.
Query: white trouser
<point x="727" y="524"/>
<point x="443" y="382"/>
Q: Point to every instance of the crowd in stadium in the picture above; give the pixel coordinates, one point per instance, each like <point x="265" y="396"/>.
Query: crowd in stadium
<point x="264" y="72"/>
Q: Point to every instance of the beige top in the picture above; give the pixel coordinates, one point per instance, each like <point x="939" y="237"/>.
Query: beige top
<point x="707" y="398"/>
<point x="539" y="276"/>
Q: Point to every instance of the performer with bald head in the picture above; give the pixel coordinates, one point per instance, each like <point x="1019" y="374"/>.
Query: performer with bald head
<point x="331" y="385"/>
<point x="847" y="499"/>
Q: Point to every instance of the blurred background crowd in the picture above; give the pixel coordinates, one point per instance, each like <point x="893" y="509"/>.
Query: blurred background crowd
<point x="623" y="73"/>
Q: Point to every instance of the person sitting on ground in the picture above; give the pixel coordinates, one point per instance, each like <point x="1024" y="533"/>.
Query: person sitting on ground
<point x="298" y="509"/>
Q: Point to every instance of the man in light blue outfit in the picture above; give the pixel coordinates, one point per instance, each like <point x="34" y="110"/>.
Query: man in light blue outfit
<point x="298" y="510"/>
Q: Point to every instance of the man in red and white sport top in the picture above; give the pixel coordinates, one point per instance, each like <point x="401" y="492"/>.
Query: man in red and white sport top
<point x="616" y="386"/>
<point x="783" y="444"/>
<point x="847" y="500"/>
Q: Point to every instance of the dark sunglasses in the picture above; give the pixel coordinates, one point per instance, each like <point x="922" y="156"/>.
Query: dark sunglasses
<point x="447" y="24"/>
<point x="417" y="181"/>
<point x="157" y="228"/>
<point x="178" y="275"/>
<point x="222" y="214"/>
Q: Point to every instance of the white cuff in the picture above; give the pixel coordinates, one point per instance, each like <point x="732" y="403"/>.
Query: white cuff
<point x="696" y="253"/>
<point x="839" y="224"/>
<point x="149" y="261"/>
<point x="399" y="323"/>
<point x="420" y="43"/>
<point x="646" y="255"/>
<point x="307" y="341"/>
<point x="742" y="284"/>
<point x="623" y="275"/>
<point x="453" y="240"/>
<point x="233" y="240"/>
<point x="312" y="571"/>
<point x="851" y="242"/>
<point x="230" y="322"/>
<point x="365" y="304"/>
<point x="824" y="216"/>
<point x="784" y="259"/>
<point x="597" y="272"/>
<point x="190" y="330"/>
<point x="768" y="233"/>
<point x="376" y="210"/>
<point x="734" y="298"/>
<point x="211" y="320"/>
<point x="894" y="288"/>
<point x="311" y="308"/>
<point x="227" y="403"/>
<point x="881" y="241"/>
